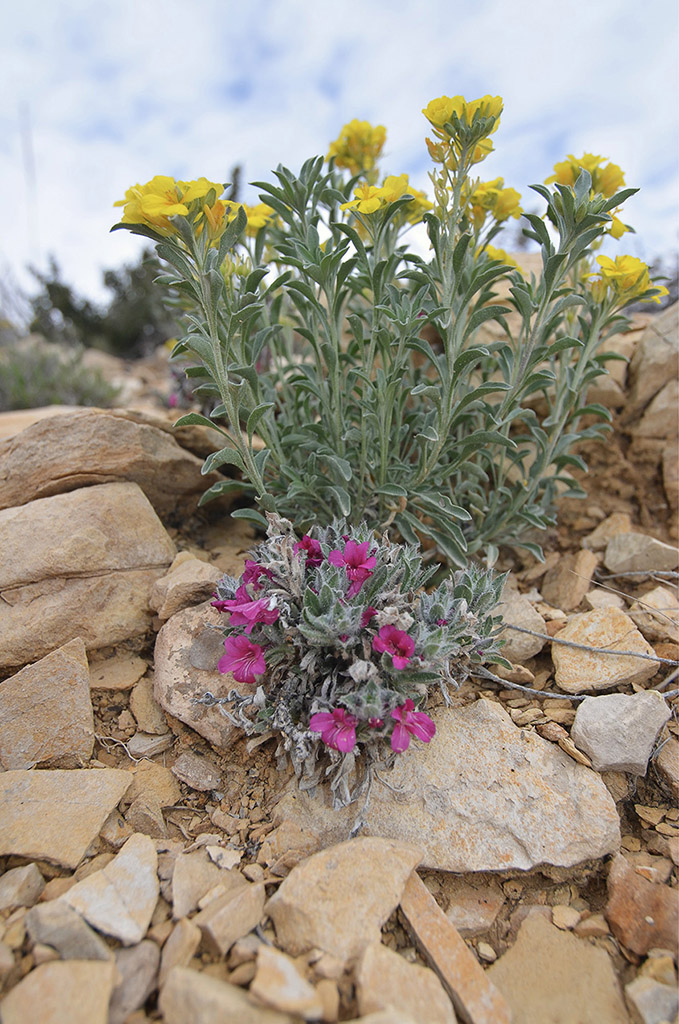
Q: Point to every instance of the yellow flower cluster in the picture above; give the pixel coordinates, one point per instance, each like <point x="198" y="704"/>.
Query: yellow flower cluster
<point x="470" y="113"/>
<point x="162" y="198"/>
<point x="626" y="278"/>
<point x="492" y="197"/>
<point x="370" y="198"/>
<point x="607" y="179"/>
<point x="494" y="253"/>
<point x="358" y="146"/>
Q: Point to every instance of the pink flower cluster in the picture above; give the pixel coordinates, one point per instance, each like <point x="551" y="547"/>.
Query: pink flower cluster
<point x="243" y="658"/>
<point x="338" y="727"/>
<point x="358" y="563"/>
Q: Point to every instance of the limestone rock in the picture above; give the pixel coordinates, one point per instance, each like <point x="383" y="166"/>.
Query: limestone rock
<point x="484" y="795"/>
<point x="143" y="744"/>
<point x="660" y="418"/>
<point x="278" y="984"/>
<point x="181" y="946"/>
<point x="656" y="614"/>
<point x="516" y="610"/>
<point x="670" y="475"/>
<point x="578" y="671"/>
<point x="617" y="522"/>
<point x="636" y="552"/>
<point x="188" y="649"/>
<point x="231" y="916"/>
<point x="642" y="914"/>
<point x="151" y="779"/>
<point x="651" y="1001"/>
<point x="55" y="815"/>
<point x="194" y="875"/>
<point x="189" y="581"/>
<point x="88" y="561"/>
<point x="655" y="361"/>
<point x="57" y="925"/>
<point x="137" y="969"/>
<point x="46" y="712"/>
<point x="96" y="446"/>
<point x="146" y="710"/>
<point x="473" y="904"/>
<point x="474" y="996"/>
<point x="385" y="981"/>
<point x="566" y="584"/>
<point x="338" y="899"/>
<point x="61" y="992"/>
<point x="552" y="977"/>
<point x="21" y="887"/>
<point x="190" y="997"/>
<point x="618" y="731"/>
<point x="197" y="772"/>
<point x="667" y="763"/>
<point x="120" y="899"/>
<point x="120" y="672"/>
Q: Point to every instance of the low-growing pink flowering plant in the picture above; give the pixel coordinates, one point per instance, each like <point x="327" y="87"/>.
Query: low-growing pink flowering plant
<point x="340" y="642"/>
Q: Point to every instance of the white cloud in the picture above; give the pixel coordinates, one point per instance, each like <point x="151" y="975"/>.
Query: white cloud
<point x="120" y="91"/>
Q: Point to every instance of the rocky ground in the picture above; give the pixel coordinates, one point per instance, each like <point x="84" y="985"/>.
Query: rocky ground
<point x="154" y="865"/>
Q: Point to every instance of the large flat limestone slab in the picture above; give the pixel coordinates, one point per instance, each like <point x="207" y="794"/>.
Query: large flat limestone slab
<point x="484" y="795"/>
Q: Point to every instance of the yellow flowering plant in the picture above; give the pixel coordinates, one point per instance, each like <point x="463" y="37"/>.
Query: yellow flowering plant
<point x="352" y="378"/>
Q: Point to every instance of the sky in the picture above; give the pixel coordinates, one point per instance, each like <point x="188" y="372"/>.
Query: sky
<point x="100" y="96"/>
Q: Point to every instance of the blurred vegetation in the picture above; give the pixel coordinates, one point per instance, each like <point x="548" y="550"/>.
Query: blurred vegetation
<point x="133" y="323"/>
<point x="35" y="374"/>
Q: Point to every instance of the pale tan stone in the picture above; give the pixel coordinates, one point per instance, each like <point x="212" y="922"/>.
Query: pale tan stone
<point x="660" y="418"/>
<point x="610" y="630"/>
<point x="154" y="779"/>
<point x="642" y="914"/>
<point x="119" y="900"/>
<point x="637" y="552"/>
<point x="88" y="560"/>
<point x="278" y="984"/>
<point x="194" y="875"/>
<point x="55" y="815"/>
<point x="190" y="997"/>
<point x="472" y="905"/>
<point x="189" y="581"/>
<point x="667" y="764"/>
<point x="118" y="673"/>
<point x="617" y="522"/>
<point x="567" y="583"/>
<point x="385" y="981"/>
<point x="656" y="614"/>
<point x="565" y="918"/>
<point x="552" y="977"/>
<point x="655" y="361"/>
<point x="21" y="887"/>
<point x="61" y="992"/>
<point x="46" y="712"/>
<point x="231" y="916"/>
<point x="474" y="996"/>
<point x="146" y="710"/>
<point x="182" y="944"/>
<point x="338" y="899"/>
<point x="516" y="610"/>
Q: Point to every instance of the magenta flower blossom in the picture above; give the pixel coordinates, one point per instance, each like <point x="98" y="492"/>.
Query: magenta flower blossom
<point x="375" y="723"/>
<point x="395" y="642"/>
<point x="337" y="728"/>
<point x="248" y="612"/>
<point x="367" y="615"/>
<point x="252" y="572"/>
<point x="243" y="658"/>
<point x="314" y="555"/>
<point x="410" y="723"/>
<point x="358" y="564"/>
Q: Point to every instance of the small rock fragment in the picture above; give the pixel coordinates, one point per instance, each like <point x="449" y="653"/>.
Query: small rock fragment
<point x="609" y="630"/>
<point x="278" y="984"/>
<point x="137" y="969"/>
<point x="652" y="1002"/>
<point x="516" y="610"/>
<point x="188" y="581"/>
<point x="193" y="876"/>
<point x="197" y="772"/>
<point x="57" y="925"/>
<point x="151" y="779"/>
<point x="338" y="899"/>
<point x="385" y="981"/>
<point x="593" y="927"/>
<point x="566" y="584"/>
<point x="474" y="996"/>
<point x="472" y="906"/>
<point x="146" y="710"/>
<point x="120" y="899"/>
<point x="118" y="673"/>
<point x="598" y="598"/>
<point x="636" y="552"/>
<point x="549" y="976"/>
<point x="180" y="947"/>
<point x="192" y="997"/>
<point x="21" y="887"/>
<point x="617" y="522"/>
<point x="55" y="815"/>
<point x="565" y="918"/>
<point x="66" y="992"/>
<point x="231" y="916"/>
<point x="145" y="815"/>
<point x="642" y="914"/>
<point x="144" y="745"/>
<point x="618" y="731"/>
<point x="656" y="614"/>
<point x="667" y="763"/>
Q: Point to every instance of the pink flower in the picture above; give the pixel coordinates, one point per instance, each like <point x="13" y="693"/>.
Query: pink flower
<point x="410" y="723"/>
<point x="243" y="658"/>
<point x="337" y="728"/>
<point x="358" y="565"/>
<point x="248" y="612"/>
<point x="314" y="555"/>
<point x="375" y="723"/>
<point x="253" y="571"/>
<point x="367" y="615"/>
<point x="395" y="642"/>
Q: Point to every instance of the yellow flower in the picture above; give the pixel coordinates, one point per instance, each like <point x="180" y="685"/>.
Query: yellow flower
<point x="492" y="197"/>
<point x="494" y="253"/>
<point x="258" y="216"/>
<point x="198" y="189"/>
<point x="419" y="205"/>
<point x="394" y="186"/>
<point x="153" y="204"/>
<point x="358" y="146"/>
<point x="368" y="199"/>
<point x="628" y="279"/>
<point x="606" y="180"/>
<point x="440" y="110"/>
<point x="617" y="229"/>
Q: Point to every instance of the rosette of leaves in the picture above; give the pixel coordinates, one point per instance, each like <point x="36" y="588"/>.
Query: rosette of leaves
<point x="340" y="624"/>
